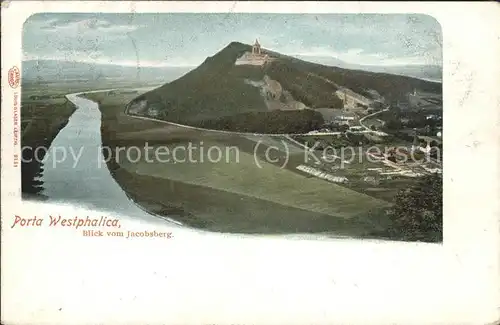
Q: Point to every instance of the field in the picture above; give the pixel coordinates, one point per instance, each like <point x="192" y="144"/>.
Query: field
<point x="228" y="195"/>
<point x="242" y="175"/>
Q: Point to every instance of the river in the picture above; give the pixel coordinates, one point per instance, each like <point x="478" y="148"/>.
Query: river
<point x="74" y="168"/>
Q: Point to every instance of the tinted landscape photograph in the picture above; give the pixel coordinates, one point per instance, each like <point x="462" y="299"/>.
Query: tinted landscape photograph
<point x="265" y="124"/>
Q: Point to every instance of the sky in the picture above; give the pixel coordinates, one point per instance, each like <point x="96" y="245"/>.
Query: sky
<point x="185" y="40"/>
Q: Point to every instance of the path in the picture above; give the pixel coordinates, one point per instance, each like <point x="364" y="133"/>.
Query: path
<point x="372" y="115"/>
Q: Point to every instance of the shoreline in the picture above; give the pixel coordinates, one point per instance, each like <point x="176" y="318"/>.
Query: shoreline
<point x="32" y="172"/>
<point x="154" y="208"/>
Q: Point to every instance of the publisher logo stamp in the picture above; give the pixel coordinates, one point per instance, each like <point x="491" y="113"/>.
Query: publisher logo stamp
<point x="14" y="77"/>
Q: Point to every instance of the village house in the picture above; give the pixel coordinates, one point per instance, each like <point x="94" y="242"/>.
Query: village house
<point x="344" y="119"/>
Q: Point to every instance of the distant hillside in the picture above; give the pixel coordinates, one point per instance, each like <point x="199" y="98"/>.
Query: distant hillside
<point x="53" y="70"/>
<point x="218" y="92"/>
<point x="425" y="72"/>
<point x="419" y="71"/>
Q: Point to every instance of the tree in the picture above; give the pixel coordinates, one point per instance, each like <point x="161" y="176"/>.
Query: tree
<point x="418" y="211"/>
<point x="343" y="128"/>
<point x="393" y="124"/>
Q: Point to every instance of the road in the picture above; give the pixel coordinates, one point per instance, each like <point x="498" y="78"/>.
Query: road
<point x="372" y="115"/>
<point x="147" y="118"/>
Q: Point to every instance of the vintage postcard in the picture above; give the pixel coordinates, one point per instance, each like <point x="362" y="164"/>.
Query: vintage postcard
<point x="200" y="163"/>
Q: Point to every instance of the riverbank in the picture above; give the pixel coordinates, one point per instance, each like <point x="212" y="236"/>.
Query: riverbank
<point x="113" y="126"/>
<point x="41" y="122"/>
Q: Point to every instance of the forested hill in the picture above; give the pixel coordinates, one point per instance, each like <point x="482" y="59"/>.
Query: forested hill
<point x="219" y="90"/>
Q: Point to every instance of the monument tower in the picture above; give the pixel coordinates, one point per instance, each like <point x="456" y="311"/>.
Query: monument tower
<point x="256" y="57"/>
<point x="256" y="48"/>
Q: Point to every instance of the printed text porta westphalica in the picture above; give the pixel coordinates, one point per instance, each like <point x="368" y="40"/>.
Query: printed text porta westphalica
<point x="75" y="222"/>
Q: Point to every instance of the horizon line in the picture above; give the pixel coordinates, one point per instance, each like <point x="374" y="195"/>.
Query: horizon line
<point x="196" y="65"/>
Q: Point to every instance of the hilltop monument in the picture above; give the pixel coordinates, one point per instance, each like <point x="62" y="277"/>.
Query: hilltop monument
<point x="256" y="48"/>
<point x="256" y="57"/>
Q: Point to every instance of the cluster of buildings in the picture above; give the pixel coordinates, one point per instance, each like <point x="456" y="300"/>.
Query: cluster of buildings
<point x="419" y="100"/>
